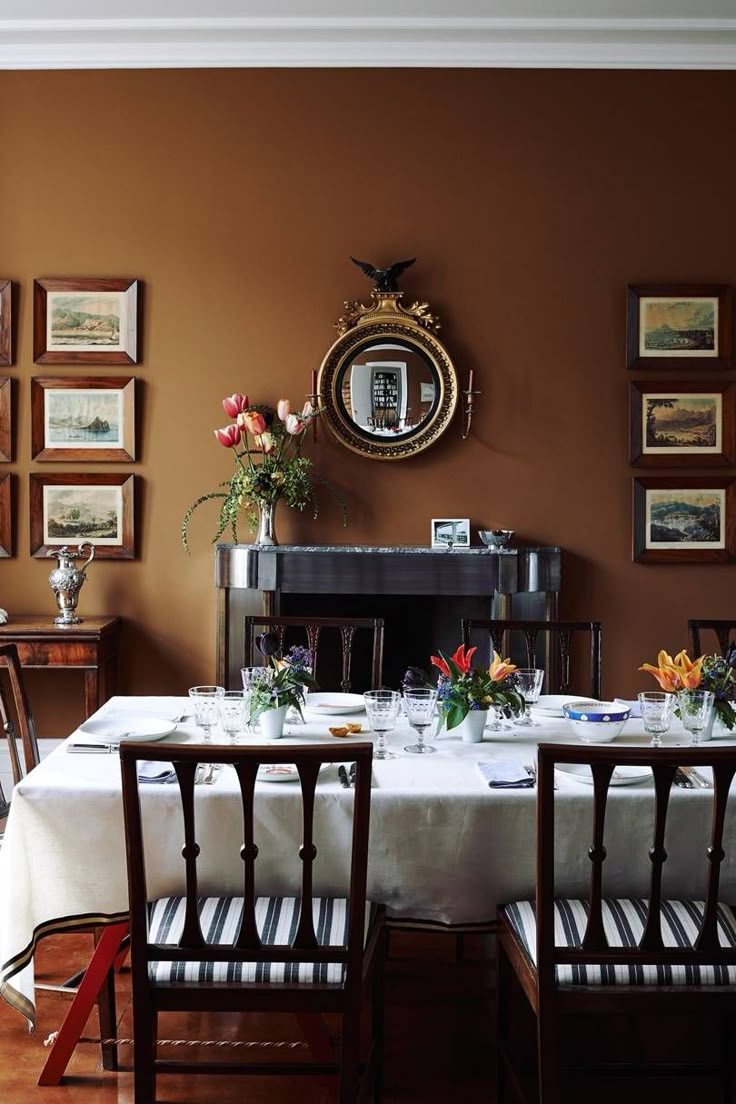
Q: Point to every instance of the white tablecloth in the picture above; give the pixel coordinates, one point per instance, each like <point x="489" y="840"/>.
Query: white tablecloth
<point x="444" y="847"/>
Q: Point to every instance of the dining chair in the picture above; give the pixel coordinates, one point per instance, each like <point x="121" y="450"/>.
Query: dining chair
<point x="560" y="636"/>
<point x="29" y="740"/>
<point x="311" y="629"/>
<point x="306" y="955"/>
<point x="605" y="956"/>
<point x="723" y="630"/>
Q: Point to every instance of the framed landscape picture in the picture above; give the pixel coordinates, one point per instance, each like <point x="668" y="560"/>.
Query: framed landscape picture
<point x="672" y="325"/>
<point x="684" y="520"/>
<point x="682" y="424"/>
<point x="85" y="418"/>
<point x="6" y="524"/>
<point x="85" y="321"/>
<point x="6" y="333"/>
<point x="69" y="508"/>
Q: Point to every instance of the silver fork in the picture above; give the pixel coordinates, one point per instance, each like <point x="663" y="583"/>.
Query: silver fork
<point x="531" y="770"/>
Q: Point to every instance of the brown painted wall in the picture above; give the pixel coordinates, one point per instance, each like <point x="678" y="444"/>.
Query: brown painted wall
<point x="530" y="198"/>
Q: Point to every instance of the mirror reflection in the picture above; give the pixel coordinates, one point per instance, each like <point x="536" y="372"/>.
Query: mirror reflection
<point x="388" y="389"/>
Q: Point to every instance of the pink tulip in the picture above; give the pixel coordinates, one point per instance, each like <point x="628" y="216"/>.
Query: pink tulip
<point x="309" y="412"/>
<point x="294" y="424"/>
<point x="253" y="421"/>
<point x="283" y="409"/>
<point x="229" y="437"/>
<point x="235" y="404"/>
<point x="264" y="441"/>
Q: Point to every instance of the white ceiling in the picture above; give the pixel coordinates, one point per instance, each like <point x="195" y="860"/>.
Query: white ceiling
<point x="686" y="34"/>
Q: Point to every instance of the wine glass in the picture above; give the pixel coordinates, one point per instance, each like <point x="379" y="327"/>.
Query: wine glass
<point x="232" y="713"/>
<point x="248" y="674"/>
<point x="695" y="707"/>
<point x="657" y="709"/>
<point x="382" y="707"/>
<point x="529" y="684"/>
<point x="420" y="714"/>
<point x="206" y="701"/>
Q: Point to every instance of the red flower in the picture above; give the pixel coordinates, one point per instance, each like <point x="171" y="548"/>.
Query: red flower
<point x="235" y="404"/>
<point x="229" y="437"/>
<point x="462" y="659"/>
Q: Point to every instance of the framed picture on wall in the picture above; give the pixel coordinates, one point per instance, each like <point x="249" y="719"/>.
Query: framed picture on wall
<point x="6" y="332"/>
<point x="85" y="321"/>
<point x="69" y="508"/>
<point x="6" y="523"/>
<point x="684" y="520"/>
<point x="6" y="424"/>
<point x="83" y="418"/>
<point x="450" y="532"/>
<point x="677" y="424"/>
<point x="674" y="325"/>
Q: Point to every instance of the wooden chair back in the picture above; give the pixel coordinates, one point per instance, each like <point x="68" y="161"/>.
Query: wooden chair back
<point x="247" y="945"/>
<point x="312" y="628"/>
<point x="595" y="948"/>
<point x="560" y="634"/>
<point x="29" y="740"/>
<point x="724" y="630"/>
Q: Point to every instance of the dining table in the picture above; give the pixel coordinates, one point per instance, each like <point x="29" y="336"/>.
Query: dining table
<point x="445" y="847"/>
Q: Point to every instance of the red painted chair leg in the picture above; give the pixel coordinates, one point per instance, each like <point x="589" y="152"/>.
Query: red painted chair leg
<point x="82" y="1005"/>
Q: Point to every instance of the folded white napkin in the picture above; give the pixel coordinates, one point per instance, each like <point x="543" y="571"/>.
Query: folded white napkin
<point x="634" y="706"/>
<point x="505" y="774"/>
<point x="150" y="771"/>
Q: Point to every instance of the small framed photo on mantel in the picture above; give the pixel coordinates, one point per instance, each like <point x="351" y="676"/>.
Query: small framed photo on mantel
<point x="70" y="508"/>
<point x="85" y="321"/>
<point x="450" y="532"/>
<point x="684" y="520"/>
<point x="677" y="325"/>
<point x="682" y="424"/>
<point x="83" y="418"/>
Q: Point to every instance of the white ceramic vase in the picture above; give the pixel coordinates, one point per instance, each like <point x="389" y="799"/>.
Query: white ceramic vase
<point x="471" y="726"/>
<point x="707" y="733"/>
<point x="271" y="722"/>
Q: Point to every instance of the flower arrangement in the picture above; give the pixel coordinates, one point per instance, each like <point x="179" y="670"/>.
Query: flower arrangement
<point x="708" y="672"/>
<point x="462" y="687"/>
<point x="284" y="679"/>
<point x="269" y="465"/>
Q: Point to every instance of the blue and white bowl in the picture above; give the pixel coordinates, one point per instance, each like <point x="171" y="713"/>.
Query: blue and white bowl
<point x="596" y="722"/>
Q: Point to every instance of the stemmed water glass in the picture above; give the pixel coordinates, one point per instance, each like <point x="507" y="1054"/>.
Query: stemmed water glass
<point x="248" y="675"/>
<point x="420" y="704"/>
<point x="232" y="713"/>
<point x="206" y="701"/>
<point x="695" y="707"/>
<point x="657" y="708"/>
<point x="382" y="707"/>
<point x="529" y="684"/>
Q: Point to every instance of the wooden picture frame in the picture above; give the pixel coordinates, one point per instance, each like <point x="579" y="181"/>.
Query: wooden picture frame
<point x="6" y="319"/>
<point x="679" y="325"/>
<point x="85" y="321"/>
<point x="68" y="508"/>
<point x="6" y="519"/>
<point x="682" y="424"/>
<point x="684" y="519"/>
<point x="83" y="418"/>
<point x="6" y="420"/>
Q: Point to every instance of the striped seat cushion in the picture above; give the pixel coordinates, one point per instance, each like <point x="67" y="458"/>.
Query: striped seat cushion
<point x="624" y="920"/>
<point x="276" y="918"/>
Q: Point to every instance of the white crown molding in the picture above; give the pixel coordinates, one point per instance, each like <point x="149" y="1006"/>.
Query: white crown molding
<point x="297" y="42"/>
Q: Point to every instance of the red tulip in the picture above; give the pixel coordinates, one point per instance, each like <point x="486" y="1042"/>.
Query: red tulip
<point x="253" y="421"/>
<point x="462" y="659"/>
<point x="283" y="409"/>
<point x="229" y="437"/>
<point x="235" y="404"/>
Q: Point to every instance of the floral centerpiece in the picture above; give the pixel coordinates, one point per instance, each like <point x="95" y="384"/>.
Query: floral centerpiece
<point x="269" y="466"/>
<point x="281" y="684"/>
<point x="707" y="672"/>
<point x="462" y="688"/>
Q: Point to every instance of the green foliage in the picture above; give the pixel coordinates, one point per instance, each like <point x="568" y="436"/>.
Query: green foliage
<point x="281" y="683"/>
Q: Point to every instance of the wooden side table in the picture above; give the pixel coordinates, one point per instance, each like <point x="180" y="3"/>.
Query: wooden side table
<point x="93" y="646"/>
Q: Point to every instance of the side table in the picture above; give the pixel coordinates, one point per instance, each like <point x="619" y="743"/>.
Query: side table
<point x="93" y="646"/>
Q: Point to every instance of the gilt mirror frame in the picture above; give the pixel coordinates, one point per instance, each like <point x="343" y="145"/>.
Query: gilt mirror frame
<point x="385" y="319"/>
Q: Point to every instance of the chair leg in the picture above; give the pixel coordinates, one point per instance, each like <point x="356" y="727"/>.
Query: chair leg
<point x="548" y="1057"/>
<point x="377" y="1014"/>
<point x="145" y="1030"/>
<point x="349" y="1056"/>
<point x="503" y="996"/>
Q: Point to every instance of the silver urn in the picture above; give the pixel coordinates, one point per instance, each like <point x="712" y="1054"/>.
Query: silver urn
<point x="67" y="580"/>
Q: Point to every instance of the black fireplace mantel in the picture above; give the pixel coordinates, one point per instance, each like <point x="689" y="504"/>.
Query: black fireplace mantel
<point x="251" y="579"/>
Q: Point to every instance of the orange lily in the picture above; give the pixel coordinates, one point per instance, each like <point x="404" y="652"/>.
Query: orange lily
<point x="680" y="673"/>
<point x="690" y="670"/>
<point x="461" y="658"/>
<point x="501" y="668"/>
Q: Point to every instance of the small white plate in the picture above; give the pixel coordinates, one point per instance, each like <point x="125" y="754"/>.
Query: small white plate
<point x="551" y="704"/>
<point x="281" y="772"/>
<point x="114" y="730"/>
<point x="334" y="703"/>
<point x="622" y="776"/>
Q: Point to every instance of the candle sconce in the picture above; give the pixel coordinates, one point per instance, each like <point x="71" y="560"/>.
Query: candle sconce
<point x="466" y="402"/>
<point x="313" y="400"/>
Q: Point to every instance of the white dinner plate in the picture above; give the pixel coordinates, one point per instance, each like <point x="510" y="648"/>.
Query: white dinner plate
<point x="334" y="703"/>
<point x="113" y="730"/>
<point x="622" y="776"/>
<point x="281" y="772"/>
<point x="551" y="704"/>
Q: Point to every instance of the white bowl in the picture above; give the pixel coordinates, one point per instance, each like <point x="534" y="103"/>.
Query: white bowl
<point x="596" y="722"/>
